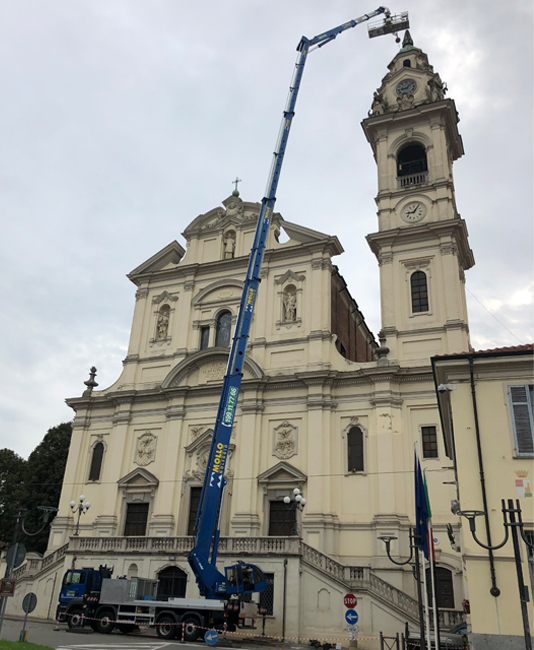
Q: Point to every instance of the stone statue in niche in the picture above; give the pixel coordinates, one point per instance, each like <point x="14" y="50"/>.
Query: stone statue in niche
<point x="229" y="246"/>
<point x="146" y="449"/>
<point x="290" y="305"/>
<point x="162" y="326"/>
<point x="285" y="444"/>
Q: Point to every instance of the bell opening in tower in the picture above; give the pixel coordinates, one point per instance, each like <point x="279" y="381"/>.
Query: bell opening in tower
<point x="411" y="160"/>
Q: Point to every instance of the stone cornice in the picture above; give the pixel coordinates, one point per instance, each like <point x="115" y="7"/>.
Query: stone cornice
<point x="453" y="228"/>
<point x="237" y="265"/>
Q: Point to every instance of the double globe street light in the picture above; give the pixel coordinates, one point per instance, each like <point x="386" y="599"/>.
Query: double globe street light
<point x="81" y="508"/>
<point x="297" y="502"/>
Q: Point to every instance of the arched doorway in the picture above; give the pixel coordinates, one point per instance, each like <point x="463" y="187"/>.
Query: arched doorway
<point x="172" y="583"/>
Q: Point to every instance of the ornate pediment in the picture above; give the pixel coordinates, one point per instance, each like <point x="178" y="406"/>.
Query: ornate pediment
<point x="198" y="454"/>
<point x="164" y="295"/>
<point x="290" y="275"/>
<point x="139" y="477"/>
<point x="282" y="473"/>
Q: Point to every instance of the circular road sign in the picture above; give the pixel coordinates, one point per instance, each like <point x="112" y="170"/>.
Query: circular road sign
<point x="29" y="603"/>
<point x="16" y="555"/>
<point x="351" y="616"/>
<point x="350" y="601"/>
<point x="211" y="637"/>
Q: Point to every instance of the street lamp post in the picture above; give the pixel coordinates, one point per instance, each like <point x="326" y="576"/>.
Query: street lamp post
<point x="296" y="503"/>
<point x="509" y="522"/>
<point x="414" y="546"/>
<point x="81" y="508"/>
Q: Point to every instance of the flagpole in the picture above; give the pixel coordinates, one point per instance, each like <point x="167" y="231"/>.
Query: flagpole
<point x="427" y="617"/>
<point x="432" y="577"/>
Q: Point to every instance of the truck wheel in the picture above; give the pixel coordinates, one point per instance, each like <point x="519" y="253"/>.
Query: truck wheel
<point x="191" y="629"/>
<point x="74" y="619"/>
<point x="104" y="624"/>
<point x="127" y="628"/>
<point x="166" y="626"/>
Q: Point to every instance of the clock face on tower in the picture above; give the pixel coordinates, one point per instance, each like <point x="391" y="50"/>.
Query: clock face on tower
<point x="406" y="86"/>
<point x="413" y="212"/>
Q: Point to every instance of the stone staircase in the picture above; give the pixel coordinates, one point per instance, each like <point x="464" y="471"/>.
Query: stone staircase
<point x="357" y="578"/>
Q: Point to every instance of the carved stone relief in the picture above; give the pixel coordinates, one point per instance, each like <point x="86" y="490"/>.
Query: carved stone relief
<point x="146" y="449"/>
<point x="285" y="441"/>
<point x="212" y="372"/>
<point x="405" y="102"/>
<point x="196" y="431"/>
<point x="140" y="294"/>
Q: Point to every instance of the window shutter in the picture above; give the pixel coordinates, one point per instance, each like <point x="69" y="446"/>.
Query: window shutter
<point x="522" y="419"/>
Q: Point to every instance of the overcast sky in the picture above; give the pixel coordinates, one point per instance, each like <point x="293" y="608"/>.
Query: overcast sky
<point x="122" y="120"/>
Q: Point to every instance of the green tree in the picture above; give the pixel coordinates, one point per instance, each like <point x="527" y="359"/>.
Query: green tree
<point x="45" y="469"/>
<point x="12" y="487"/>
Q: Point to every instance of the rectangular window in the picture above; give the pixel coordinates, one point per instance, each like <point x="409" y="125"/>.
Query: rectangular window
<point x="196" y="493"/>
<point x="282" y="519"/>
<point x="193" y="509"/>
<point x="355" y="449"/>
<point x="521" y="400"/>
<point x="430" y="442"/>
<point x="136" y="520"/>
<point x="204" y="337"/>
<point x="267" y="596"/>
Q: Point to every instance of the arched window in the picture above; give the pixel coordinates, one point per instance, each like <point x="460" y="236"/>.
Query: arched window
<point x="407" y="63"/>
<point x="355" y="449"/>
<point x="419" y="292"/>
<point x="132" y="571"/>
<point x="172" y="583"/>
<point x="411" y="160"/>
<point x="224" y="324"/>
<point x="96" y="462"/>
<point x="444" y="588"/>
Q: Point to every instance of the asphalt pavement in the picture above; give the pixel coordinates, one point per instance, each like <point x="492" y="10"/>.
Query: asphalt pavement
<point x="44" y="634"/>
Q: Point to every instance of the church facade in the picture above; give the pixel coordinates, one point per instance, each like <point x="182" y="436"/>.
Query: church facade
<point x="323" y="408"/>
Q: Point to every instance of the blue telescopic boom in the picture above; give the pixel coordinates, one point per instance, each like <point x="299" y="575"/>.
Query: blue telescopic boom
<point x="211" y="582"/>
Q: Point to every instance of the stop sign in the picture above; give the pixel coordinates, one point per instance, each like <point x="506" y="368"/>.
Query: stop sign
<point x="350" y="600"/>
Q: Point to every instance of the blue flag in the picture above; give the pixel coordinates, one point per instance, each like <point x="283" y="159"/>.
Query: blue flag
<point x="422" y="510"/>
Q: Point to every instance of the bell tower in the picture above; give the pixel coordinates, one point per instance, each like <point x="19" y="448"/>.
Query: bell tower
<point x="421" y="244"/>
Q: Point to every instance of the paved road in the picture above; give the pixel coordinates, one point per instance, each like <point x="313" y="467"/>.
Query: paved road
<point x="44" y="634"/>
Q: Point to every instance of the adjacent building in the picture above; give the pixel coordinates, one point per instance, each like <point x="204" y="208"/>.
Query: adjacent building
<point x="486" y="401"/>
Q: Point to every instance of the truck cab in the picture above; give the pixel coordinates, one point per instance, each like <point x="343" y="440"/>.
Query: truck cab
<point x="78" y="583"/>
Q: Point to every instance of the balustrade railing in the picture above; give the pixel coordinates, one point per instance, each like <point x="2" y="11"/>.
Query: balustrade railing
<point x="412" y="179"/>
<point x="166" y="545"/>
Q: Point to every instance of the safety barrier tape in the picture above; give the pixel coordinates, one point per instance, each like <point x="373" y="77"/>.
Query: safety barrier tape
<point x="266" y="636"/>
